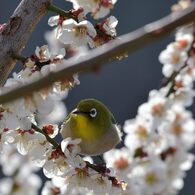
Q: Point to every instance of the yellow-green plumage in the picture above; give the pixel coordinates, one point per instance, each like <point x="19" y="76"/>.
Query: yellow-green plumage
<point x="94" y="124"/>
<point x="81" y="123"/>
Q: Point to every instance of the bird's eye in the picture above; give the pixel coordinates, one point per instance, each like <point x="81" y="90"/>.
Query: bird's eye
<point x="93" y="112"/>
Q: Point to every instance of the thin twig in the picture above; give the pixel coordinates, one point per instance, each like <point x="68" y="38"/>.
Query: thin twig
<point x="172" y="81"/>
<point x="98" y="57"/>
<point x="18" y="57"/>
<point x="49" y="139"/>
<point x="61" y="12"/>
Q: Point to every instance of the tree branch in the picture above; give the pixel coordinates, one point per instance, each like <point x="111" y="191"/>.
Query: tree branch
<point x="17" y="32"/>
<point x="98" y="57"/>
<point x="49" y="139"/>
<point x="61" y="12"/>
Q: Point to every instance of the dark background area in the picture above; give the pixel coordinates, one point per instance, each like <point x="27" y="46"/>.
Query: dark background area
<point x="122" y="85"/>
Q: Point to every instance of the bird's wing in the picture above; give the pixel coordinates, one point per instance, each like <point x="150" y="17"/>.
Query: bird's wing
<point x="67" y="117"/>
<point x="112" y="118"/>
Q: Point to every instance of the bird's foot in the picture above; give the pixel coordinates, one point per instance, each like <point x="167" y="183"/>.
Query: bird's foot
<point x="101" y="163"/>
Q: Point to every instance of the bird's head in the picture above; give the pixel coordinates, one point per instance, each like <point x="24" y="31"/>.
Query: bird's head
<point x="94" y="113"/>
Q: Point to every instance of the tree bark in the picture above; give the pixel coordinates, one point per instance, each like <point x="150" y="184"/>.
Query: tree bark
<point x="17" y="32"/>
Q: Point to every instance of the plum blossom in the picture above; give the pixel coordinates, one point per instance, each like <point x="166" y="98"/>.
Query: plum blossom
<point x="155" y="109"/>
<point x="21" y="186"/>
<point x="50" y="188"/>
<point x="50" y="130"/>
<point x="181" y="4"/>
<point x="38" y="153"/>
<point x="176" y="54"/>
<point x="43" y="54"/>
<point x="58" y="186"/>
<point x="183" y="40"/>
<point x="56" y="164"/>
<point x="120" y="160"/>
<point x="15" y="115"/>
<point x="87" y="181"/>
<point x="24" y="139"/>
<point x="77" y="34"/>
<point x="151" y="177"/>
<point x="183" y="96"/>
<point x="22" y="179"/>
<point x="109" y="26"/>
<point x="11" y="161"/>
<point x="70" y="147"/>
<point x="98" y="8"/>
<point x="180" y="125"/>
<point x="139" y="133"/>
<point x="173" y="58"/>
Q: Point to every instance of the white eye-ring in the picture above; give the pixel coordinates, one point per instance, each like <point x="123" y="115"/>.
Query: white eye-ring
<point x="93" y="112"/>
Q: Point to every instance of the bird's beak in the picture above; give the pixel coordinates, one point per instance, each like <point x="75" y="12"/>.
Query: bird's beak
<point x="77" y="111"/>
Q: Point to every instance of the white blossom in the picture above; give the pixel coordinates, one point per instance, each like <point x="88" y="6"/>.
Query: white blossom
<point x="24" y="139"/>
<point x="78" y="34"/>
<point x="99" y="9"/>
<point x="109" y="25"/>
<point x="173" y="59"/>
<point x="120" y="160"/>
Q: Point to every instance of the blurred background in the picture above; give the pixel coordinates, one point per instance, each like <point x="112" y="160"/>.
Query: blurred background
<point x="122" y="85"/>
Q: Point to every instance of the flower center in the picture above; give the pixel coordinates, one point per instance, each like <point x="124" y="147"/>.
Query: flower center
<point x="22" y="131"/>
<point x="121" y="163"/>
<point x="151" y="178"/>
<point x="55" y="191"/>
<point x="141" y="132"/>
<point x="177" y="129"/>
<point x="179" y="84"/>
<point x="80" y="31"/>
<point x="183" y="43"/>
<point x="82" y="173"/>
<point x="105" y="3"/>
<point x="158" y="110"/>
<point x="55" y="154"/>
<point x="49" y="129"/>
<point x="16" y="187"/>
<point x="175" y="59"/>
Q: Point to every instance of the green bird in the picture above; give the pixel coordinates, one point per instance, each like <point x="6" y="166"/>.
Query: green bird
<point x="94" y="124"/>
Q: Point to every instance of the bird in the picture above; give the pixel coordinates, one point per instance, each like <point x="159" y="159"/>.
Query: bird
<point x="95" y="125"/>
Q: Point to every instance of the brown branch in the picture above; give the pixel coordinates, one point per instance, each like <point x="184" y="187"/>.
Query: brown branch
<point x="98" y="57"/>
<point x="17" y="32"/>
<point x="61" y="12"/>
<point x="49" y="139"/>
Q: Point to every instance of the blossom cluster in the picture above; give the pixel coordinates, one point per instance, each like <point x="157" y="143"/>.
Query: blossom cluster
<point x="158" y="141"/>
<point x="82" y="32"/>
<point x="98" y="9"/>
<point x="20" y="173"/>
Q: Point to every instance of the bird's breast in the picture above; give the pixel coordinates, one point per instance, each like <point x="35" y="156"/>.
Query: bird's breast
<point x="82" y="127"/>
<point x="91" y="144"/>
